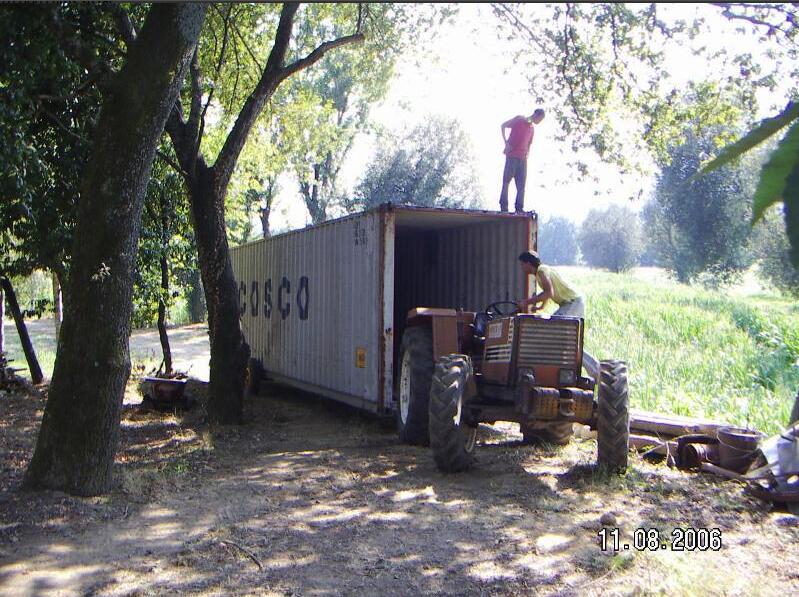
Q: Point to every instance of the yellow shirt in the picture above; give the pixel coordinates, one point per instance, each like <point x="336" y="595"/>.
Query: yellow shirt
<point x="562" y="292"/>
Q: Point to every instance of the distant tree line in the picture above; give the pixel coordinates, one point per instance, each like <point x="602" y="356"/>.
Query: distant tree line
<point x="697" y="228"/>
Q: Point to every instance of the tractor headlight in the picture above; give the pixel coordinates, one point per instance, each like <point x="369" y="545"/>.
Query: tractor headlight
<point x="567" y="377"/>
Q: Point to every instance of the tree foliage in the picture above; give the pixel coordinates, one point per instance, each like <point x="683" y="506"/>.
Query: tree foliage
<point x="601" y="68"/>
<point x="779" y="176"/>
<point x="165" y="233"/>
<point x="557" y="241"/>
<point x="610" y="238"/>
<point x="54" y="65"/>
<point x="772" y="249"/>
<point x="429" y="165"/>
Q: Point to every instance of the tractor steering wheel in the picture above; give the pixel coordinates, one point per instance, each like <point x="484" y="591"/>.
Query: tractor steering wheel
<point x="498" y="309"/>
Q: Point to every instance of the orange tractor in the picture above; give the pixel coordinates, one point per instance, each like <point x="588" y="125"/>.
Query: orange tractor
<point x="459" y="369"/>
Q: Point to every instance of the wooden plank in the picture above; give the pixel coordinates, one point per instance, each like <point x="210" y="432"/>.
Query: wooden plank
<point x="671" y="425"/>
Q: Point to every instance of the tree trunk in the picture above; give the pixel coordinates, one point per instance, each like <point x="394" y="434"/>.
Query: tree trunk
<point x="2" y="321"/>
<point x="22" y="330"/>
<point x="196" y="298"/>
<point x="265" y="221"/>
<point x="58" y="306"/>
<point x="78" y="438"/>
<point x="207" y="188"/>
<point x="229" y="351"/>
<point x="162" y="316"/>
<point x="162" y="301"/>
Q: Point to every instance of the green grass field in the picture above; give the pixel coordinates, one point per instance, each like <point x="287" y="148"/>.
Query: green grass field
<point x="728" y="355"/>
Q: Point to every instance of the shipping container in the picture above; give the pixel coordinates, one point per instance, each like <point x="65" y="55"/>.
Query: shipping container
<point x="324" y="308"/>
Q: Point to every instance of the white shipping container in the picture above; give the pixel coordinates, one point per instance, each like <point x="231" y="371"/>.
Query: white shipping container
<point x="323" y="308"/>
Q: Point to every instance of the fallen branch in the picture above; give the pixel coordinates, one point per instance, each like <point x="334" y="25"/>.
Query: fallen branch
<point x="722" y="472"/>
<point x="244" y="550"/>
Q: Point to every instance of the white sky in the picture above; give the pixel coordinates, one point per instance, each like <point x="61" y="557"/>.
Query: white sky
<point x="466" y="79"/>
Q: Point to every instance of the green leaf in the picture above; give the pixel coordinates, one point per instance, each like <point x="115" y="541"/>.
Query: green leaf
<point x="791" y="198"/>
<point x="767" y="128"/>
<point x="772" y="186"/>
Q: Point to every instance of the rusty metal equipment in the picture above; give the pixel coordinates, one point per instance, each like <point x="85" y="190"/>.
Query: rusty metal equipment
<point x="462" y="368"/>
<point x="165" y="393"/>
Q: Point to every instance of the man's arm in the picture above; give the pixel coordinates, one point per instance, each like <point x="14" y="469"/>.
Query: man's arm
<point x="543" y="296"/>
<point x="506" y="125"/>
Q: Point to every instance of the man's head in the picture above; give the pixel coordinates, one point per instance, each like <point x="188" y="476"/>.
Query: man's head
<point x="530" y="262"/>
<point x="537" y="116"/>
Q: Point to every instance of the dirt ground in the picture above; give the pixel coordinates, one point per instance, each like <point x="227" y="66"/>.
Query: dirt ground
<point x="313" y="498"/>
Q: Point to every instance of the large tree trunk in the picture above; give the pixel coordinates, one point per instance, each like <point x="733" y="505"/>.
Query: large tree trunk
<point x="196" y="298"/>
<point x="229" y="351"/>
<point x="78" y="437"/>
<point x="22" y="330"/>
<point x="58" y="306"/>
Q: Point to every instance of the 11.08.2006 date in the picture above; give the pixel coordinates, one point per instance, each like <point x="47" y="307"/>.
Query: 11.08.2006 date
<point x="652" y="539"/>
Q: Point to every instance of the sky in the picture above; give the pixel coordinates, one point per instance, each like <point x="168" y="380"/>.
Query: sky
<point x="468" y="75"/>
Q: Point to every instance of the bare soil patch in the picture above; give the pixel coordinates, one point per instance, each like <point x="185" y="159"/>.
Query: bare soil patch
<point x="313" y="498"/>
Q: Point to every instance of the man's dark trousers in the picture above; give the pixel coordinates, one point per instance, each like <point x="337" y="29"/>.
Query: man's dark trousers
<point x="516" y="169"/>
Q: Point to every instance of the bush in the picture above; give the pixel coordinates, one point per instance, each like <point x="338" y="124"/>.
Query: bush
<point x="611" y="238"/>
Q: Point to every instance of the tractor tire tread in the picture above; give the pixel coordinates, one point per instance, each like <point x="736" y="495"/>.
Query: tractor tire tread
<point x="446" y="438"/>
<point x="613" y="416"/>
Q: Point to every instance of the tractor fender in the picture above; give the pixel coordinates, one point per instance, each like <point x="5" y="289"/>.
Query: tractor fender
<point x="444" y="325"/>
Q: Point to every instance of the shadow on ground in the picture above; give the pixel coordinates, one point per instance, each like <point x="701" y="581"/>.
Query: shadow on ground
<point x="311" y="497"/>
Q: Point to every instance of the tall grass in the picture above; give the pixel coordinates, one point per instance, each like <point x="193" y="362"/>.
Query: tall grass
<point x="696" y="352"/>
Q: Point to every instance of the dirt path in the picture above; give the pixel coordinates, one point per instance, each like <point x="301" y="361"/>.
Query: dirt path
<point x="313" y="498"/>
<point x="189" y="344"/>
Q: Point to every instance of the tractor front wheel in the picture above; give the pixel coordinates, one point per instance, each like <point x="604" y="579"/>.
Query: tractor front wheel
<point x="613" y="416"/>
<point x="451" y="437"/>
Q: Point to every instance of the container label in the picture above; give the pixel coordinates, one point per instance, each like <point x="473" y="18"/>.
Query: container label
<point x="283" y="302"/>
<point x="495" y="330"/>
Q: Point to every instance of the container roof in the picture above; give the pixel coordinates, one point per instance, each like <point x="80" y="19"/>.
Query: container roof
<point x="439" y="218"/>
<point x="429" y="218"/>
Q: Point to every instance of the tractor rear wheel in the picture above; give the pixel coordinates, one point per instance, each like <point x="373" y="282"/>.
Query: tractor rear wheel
<point x="558" y="434"/>
<point x="451" y="438"/>
<point x="613" y="416"/>
<point x="416" y="372"/>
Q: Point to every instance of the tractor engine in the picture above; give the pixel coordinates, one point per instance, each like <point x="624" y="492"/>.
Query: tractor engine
<point x="540" y="358"/>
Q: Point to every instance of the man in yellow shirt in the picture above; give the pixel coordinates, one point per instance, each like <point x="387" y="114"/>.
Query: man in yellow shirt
<point x="553" y="287"/>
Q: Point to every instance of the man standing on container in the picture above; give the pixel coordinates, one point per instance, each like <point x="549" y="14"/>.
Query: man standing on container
<point x="517" y="147"/>
<point x="553" y="287"/>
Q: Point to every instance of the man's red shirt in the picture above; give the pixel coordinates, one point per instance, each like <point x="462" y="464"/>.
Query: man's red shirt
<point x="521" y="136"/>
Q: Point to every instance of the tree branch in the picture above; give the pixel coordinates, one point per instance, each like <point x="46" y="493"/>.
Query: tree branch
<point x="272" y="76"/>
<point x="318" y="53"/>
<point x="125" y="25"/>
<point x="176" y="167"/>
